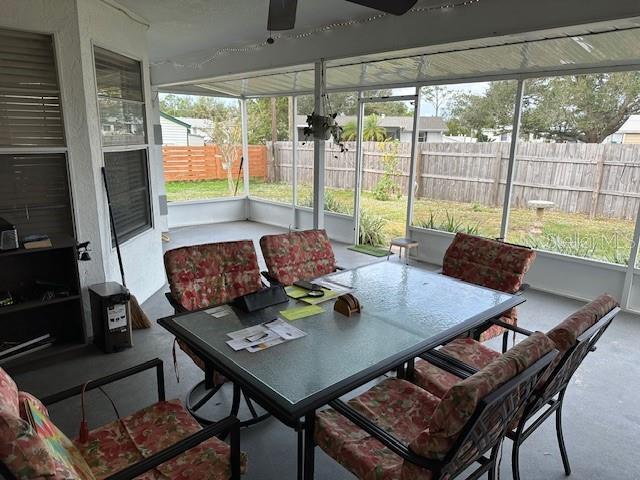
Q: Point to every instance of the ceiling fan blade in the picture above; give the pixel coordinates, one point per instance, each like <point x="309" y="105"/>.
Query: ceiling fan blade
<point x="282" y="15"/>
<point x="394" y="7"/>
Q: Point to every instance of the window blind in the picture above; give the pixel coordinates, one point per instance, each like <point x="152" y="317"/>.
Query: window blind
<point x="127" y="176"/>
<point x="34" y="194"/>
<point x="30" y="110"/>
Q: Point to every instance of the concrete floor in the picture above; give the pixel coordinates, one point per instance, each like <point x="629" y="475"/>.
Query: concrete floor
<point x="602" y="419"/>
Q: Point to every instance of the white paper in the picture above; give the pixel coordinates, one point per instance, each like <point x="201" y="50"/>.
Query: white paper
<point x="260" y="337"/>
<point x="335" y="287"/>
<point x="219" y="312"/>
<point x="285" y="330"/>
<point x="117" y="316"/>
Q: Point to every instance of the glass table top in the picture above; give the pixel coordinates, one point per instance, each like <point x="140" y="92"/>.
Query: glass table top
<point x="405" y="310"/>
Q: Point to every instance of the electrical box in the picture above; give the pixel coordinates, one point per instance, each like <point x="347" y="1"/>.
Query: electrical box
<point x="110" y="316"/>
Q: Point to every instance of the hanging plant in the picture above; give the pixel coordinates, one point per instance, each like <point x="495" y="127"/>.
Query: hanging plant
<point x="323" y="127"/>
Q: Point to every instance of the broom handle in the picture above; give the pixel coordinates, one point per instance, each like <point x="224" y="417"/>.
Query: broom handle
<point x="238" y="179"/>
<point x="113" y="225"/>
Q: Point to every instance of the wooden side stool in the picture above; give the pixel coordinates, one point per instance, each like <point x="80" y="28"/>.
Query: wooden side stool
<point x="401" y="243"/>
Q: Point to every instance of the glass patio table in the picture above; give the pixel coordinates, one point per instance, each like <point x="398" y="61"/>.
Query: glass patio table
<point x="405" y="312"/>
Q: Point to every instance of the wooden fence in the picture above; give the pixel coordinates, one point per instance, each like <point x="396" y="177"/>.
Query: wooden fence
<point x="597" y="180"/>
<point x="205" y="163"/>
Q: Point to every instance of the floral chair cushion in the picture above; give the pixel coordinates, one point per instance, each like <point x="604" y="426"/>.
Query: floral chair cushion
<point x="121" y="443"/>
<point x="8" y="394"/>
<point x="212" y="274"/>
<point x="566" y="333"/>
<point x="489" y="263"/>
<point x="438" y="381"/>
<point x="461" y="400"/>
<point x="298" y="255"/>
<point x="397" y="406"/>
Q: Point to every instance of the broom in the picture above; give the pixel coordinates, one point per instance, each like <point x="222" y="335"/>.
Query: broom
<point x="139" y="319"/>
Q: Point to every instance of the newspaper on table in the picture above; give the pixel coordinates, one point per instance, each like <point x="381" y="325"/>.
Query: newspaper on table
<point x="263" y="336"/>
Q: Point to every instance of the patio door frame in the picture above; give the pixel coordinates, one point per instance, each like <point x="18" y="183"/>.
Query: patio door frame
<point x="362" y="101"/>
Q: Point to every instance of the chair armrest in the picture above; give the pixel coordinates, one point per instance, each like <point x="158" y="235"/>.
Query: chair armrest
<point x="384" y="437"/>
<point x="449" y="364"/>
<point x="513" y="328"/>
<point x="229" y="424"/>
<point x="99" y="382"/>
<point x="176" y="306"/>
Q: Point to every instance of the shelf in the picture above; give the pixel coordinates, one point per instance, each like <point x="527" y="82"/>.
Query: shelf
<point x="57" y="243"/>
<point x="18" y="307"/>
<point x="29" y="361"/>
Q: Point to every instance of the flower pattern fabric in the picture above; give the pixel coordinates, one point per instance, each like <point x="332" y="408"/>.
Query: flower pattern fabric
<point x="212" y="274"/>
<point x="8" y="394"/>
<point x="119" y="444"/>
<point x="398" y="407"/>
<point x="489" y="263"/>
<point x="298" y="255"/>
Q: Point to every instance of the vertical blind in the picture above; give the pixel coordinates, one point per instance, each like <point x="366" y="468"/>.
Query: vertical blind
<point x="129" y="191"/>
<point x="30" y="110"/>
<point x="34" y="194"/>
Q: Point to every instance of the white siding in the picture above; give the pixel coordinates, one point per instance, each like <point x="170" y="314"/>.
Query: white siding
<point x="173" y="133"/>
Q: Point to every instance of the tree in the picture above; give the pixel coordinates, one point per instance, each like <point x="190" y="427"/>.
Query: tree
<point x="573" y="108"/>
<point x="198" y="107"/>
<point x="371" y="131"/>
<point x="227" y="136"/>
<point x="259" y="111"/>
<point x="347" y="104"/>
<point x="438" y="96"/>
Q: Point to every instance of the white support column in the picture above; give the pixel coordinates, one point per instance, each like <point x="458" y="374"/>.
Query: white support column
<point x="633" y="257"/>
<point x="245" y="145"/>
<point x="412" y="167"/>
<point x="294" y="159"/>
<point x="358" y="185"/>
<point x="515" y="133"/>
<point x="319" y="148"/>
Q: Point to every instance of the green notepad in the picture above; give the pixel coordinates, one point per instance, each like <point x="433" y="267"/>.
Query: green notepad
<point x="328" y="295"/>
<point x="297" y="313"/>
<point x="296" y="292"/>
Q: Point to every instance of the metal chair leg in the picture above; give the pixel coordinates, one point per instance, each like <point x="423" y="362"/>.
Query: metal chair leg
<point x="494" y="462"/>
<point x="505" y="341"/>
<point x="563" y="449"/>
<point x="515" y="453"/>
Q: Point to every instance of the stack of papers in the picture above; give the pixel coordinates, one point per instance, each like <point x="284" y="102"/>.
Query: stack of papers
<point x="263" y="336"/>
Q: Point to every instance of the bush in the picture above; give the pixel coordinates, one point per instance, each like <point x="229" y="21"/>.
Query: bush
<point x="450" y="224"/>
<point x="331" y="203"/>
<point x="371" y="229"/>
<point x="386" y="189"/>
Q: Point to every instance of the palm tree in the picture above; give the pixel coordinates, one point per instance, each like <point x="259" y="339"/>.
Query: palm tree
<point x="372" y="131"/>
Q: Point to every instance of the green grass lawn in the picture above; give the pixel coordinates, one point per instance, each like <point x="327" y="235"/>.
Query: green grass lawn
<point x="573" y="234"/>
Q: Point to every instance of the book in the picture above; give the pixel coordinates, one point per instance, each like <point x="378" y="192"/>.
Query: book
<point x="38" y="244"/>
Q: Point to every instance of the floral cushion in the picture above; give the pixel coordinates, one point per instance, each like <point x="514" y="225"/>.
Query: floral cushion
<point x="510" y="317"/>
<point x="121" y="443"/>
<point x="398" y="407"/>
<point x="489" y="263"/>
<point x="438" y="381"/>
<point x="24" y="397"/>
<point x="298" y="255"/>
<point x="8" y="394"/>
<point x="566" y="333"/>
<point x="460" y="402"/>
<point x="212" y="274"/>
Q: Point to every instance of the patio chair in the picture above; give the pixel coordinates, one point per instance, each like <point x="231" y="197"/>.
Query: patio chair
<point x="295" y="256"/>
<point x="397" y="430"/>
<point x="574" y="338"/>
<point x="492" y="264"/>
<point x="204" y="276"/>
<point x="159" y="441"/>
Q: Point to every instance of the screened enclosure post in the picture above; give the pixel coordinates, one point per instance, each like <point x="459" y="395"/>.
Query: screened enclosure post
<point x="412" y="162"/>
<point x="358" y="179"/>
<point x="245" y="145"/>
<point x="631" y="266"/>
<point x="319" y="147"/>
<point x="294" y="159"/>
<point x="515" y="134"/>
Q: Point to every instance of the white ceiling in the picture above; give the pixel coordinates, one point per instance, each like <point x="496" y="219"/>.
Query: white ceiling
<point x="202" y="24"/>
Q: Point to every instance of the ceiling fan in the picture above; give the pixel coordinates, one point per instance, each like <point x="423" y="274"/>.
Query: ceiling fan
<point x="282" y="13"/>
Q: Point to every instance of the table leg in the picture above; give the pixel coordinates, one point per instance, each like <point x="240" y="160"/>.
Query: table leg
<point x="309" y="445"/>
<point x="389" y="252"/>
<point x="300" y="432"/>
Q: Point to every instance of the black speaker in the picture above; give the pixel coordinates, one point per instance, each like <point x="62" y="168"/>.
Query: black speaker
<point x="110" y="316"/>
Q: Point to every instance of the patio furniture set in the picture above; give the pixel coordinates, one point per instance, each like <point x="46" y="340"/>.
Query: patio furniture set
<point x="442" y="403"/>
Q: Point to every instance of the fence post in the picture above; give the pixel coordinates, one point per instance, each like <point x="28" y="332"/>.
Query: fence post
<point x="597" y="185"/>
<point x="498" y="176"/>
<point x="420" y="159"/>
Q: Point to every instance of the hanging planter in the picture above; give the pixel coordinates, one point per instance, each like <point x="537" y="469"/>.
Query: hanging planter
<point x="324" y="127"/>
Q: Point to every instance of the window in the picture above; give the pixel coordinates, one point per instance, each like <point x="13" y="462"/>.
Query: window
<point x="129" y="192"/>
<point x="120" y="99"/>
<point x="34" y="187"/>
<point x="121" y="103"/>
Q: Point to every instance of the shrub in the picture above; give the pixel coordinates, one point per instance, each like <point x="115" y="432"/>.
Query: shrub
<point x="371" y="229"/>
<point x="386" y="189"/>
<point x="331" y="203"/>
<point x="450" y="224"/>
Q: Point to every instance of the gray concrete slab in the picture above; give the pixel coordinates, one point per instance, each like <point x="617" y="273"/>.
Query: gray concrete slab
<point x="602" y="421"/>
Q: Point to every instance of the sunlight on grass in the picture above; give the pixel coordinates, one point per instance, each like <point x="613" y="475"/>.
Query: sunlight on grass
<point x="573" y="234"/>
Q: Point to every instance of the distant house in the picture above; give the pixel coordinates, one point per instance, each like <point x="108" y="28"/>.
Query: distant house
<point x="431" y="129"/>
<point x="629" y="132"/>
<point x="177" y="132"/>
<point x="199" y="126"/>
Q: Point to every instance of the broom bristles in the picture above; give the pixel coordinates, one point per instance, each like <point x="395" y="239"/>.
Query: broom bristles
<point x="139" y="319"/>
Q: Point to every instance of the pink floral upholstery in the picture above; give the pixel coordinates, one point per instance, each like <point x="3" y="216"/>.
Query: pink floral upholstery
<point x="489" y="263"/>
<point x="398" y="407"/>
<point x="8" y="394"/>
<point x="438" y="381"/>
<point x="566" y="333"/>
<point x="121" y="443"/>
<point x="429" y="425"/>
<point x="211" y="274"/>
<point x="298" y="255"/>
